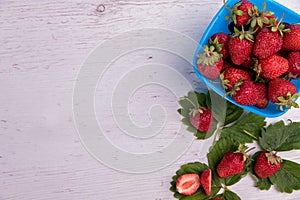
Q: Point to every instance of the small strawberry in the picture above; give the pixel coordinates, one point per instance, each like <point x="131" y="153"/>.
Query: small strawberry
<point x="269" y="40"/>
<point x="283" y="93"/>
<point x="294" y="63"/>
<point x="201" y="118"/>
<point x="262" y="94"/>
<point x="240" y="46"/>
<point x="210" y="63"/>
<point x="240" y="13"/>
<point x="273" y="67"/>
<point x="188" y="184"/>
<point x="245" y="93"/>
<point x="205" y="181"/>
<point x="219" y="41"/>
<point x="232" y="162"/>
<point x="232" y="75"/>
<point x="291" y="40"/>
<point x="217" y="198"/>
<point x="266" y="164"/>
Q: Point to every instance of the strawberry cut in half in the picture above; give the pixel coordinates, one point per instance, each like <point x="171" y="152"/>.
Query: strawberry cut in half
<point x="205" y="180"/>
<point x="188" y="184"/>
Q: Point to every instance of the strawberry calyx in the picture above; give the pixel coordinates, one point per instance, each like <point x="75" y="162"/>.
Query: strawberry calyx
<point x="259" y="18"/>
<point x="248" y="35"/>
<point x="273" y="158"/>
<point x="278" y="26"/>
<point x="209" y="57"/>
<point x="243" y="149"/>
<point x="216" y="44"/>
<point x="195" y="111"/>
<point x="235" y="88"/>
<point x="288" y="102"/>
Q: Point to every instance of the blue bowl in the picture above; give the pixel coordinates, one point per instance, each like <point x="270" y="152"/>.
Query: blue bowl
<point x="219" y="24"/>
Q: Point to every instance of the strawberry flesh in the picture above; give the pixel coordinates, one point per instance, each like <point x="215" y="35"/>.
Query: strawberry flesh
<point x="188" y="184"/>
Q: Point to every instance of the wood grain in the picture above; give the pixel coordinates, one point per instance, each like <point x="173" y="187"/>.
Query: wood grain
<point x="43" y="45"/>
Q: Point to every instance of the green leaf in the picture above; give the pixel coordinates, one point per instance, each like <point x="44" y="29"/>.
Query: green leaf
<point x="233" y="112"/>
<point x="261" y="183"/>
<point x="229" y="195"/>
<point x="281" y="137"/>
<point x="194" y="168"/>
<point x="215" y="155"/>
<point x="218" y="106"/>
<point x="287" y="178"/>
<point x="245" y="130"/>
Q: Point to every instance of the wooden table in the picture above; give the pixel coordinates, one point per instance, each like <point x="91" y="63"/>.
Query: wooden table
<point x="43" y="47"/>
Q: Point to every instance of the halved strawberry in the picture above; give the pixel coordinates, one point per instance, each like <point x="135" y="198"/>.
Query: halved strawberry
<point x="205" y="180"/>
<point x="188" y="184"/>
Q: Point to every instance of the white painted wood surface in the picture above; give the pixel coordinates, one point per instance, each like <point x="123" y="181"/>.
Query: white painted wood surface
<point x="43" y="45"/>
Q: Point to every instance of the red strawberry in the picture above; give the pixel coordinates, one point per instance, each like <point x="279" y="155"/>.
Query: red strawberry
<point x="291" y="40"/>
<point x="205" y="180"/>
<point x="188" y="184"/>
<point x="273" y="67"/>
<point x="226" y="65"/>
<point x="266" y="164"/>
<point x="240" y="46"/>
<point x="231" y="76"/>
<point x="219" y="41"/>
<point x="262" y="94"/>
<point x="210" y="63"/>
<point x="267" y="43"/>
<point x="240" y="13"/>
<point x="245" y="93"/>
<point x="217" y="198"/>
<point x="283" y="93"/>
<point x="232" y="163"/>
<point x="294" y="63"/>
<point x="201" y="119"/>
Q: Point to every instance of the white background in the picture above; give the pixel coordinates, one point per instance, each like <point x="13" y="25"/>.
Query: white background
<point x="43" y="45"/>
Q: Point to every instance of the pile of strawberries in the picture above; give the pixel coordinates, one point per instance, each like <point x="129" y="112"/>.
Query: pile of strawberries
<point x="257" y="61"/>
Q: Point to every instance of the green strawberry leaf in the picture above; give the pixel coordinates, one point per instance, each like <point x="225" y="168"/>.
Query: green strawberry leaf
<point x="245" y="130"/>
<point x="215" y="155"/>
<point x="233" y="113"/>
<point x="229" y="195"/>
<point x="281" y="137"/>
<point x="261" y="183"/>
<point x="195" y="168"/>
<point x="287" y="178"/>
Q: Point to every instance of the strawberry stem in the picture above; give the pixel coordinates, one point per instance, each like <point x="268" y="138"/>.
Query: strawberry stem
<point x="226" y="7"/>
<point x="250" y="134"/>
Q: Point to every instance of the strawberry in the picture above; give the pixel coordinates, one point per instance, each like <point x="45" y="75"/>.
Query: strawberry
<point x="210" y="63"/>
<point x="273" y="67"/>
<point x="245" y="93"/>
<point x="240" y="13"/>
<point x="266" y="164"/>
<point x="283" y="93"/>
<point x="294" y="63"/>
<point x="226" y="65"/>
<point x="188" y="184"/>
<point x="269" y="40"/>
<point x="201" y="119"/>
<point x="262" y="95"/>
<point x="205" y="181"/>
<point x="249" y="63"/>
<point x="232" y="162"/>
<point x="291" y="40"/>
<point x="240" y="46"/>
<point x="231" y="76"/>
<point x="219" y="41"/>
<point x="217" y="198"/>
